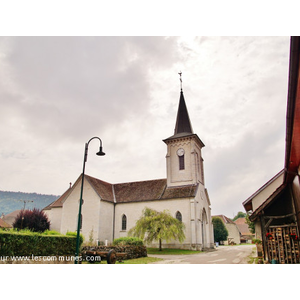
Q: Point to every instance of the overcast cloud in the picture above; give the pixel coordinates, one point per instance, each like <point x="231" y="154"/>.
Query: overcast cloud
<point x="57" y="92"/>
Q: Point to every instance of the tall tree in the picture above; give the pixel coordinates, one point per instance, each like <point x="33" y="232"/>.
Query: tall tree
<point x="158" y="226"/>
<point x="240" y="214"/>
<point x="220" y="231"/>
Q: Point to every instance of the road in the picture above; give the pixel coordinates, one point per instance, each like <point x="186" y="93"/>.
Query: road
<point x="237" y="254"/>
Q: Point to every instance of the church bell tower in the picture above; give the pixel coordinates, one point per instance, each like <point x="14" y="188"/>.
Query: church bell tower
<point x="184" y="160"/>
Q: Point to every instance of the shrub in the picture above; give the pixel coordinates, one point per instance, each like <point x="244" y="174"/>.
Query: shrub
<point x="34" y="220"/>
<point x="74" y="233"/>
<point x="51" y="232"/>
<point x="256" y="241"/>
<point x="134" y="241"/>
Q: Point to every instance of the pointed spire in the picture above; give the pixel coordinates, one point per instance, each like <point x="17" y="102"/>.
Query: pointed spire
<point x="183" y="126"/>
<point x="183" y="123"/>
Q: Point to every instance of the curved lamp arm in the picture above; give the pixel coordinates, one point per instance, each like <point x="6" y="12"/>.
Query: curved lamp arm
<point x="99" y="153"/>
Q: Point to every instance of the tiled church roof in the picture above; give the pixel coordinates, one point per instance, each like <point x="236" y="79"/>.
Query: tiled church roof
<point x="102" y="188"/>
<point x="180" y="192"/>
<point x="147" y="190"/>
<point x="140" y="191"/>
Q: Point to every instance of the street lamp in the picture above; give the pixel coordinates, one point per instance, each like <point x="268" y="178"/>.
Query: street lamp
<point x="99" y="153"/>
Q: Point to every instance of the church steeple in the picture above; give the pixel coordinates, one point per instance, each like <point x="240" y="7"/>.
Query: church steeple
<point x="183" y="123"/>
<point x="184" y="160"/>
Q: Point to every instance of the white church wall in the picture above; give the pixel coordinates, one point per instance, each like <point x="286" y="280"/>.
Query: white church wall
<point x="133" y="212"/>
<point x="48" y="213"/>
<point x="106" y="222"/>
<point x="55" y="218"/>
<point x="90" y="211"/>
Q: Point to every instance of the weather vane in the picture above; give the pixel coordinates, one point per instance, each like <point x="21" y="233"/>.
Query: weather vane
<point x="180" y="73"/>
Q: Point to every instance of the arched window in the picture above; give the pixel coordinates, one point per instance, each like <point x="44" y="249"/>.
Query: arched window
<point x="124" y="222"/>
<point x="179" y="216"/>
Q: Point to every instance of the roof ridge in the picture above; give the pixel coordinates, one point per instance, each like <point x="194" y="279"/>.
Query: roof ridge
<point x="90" y="179"/>
<point x="163" y="191"/>
<point x="88" y="176"/>
<point x="140" y="181"/>
<point x="114" y="194"/>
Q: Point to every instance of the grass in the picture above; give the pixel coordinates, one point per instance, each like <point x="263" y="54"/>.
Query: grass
<point x="140" y="260"/>
<point x="171" y="251"/>
<point x="252" y="258"/>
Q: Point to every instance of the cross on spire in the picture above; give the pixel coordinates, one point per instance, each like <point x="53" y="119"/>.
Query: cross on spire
<point x="180" y="73"/>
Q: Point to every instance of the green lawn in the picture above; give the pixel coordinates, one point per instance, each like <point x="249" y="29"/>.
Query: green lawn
<point x="141" y="260"/>
<point x="171" y="251"/>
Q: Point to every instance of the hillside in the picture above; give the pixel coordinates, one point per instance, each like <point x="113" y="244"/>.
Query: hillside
<point x="11" y="201"/>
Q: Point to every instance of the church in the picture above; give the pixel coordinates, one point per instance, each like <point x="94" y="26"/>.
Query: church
<point x="109" y="210"/>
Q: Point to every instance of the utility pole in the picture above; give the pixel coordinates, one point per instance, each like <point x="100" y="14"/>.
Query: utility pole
<point x="25" y="201"/>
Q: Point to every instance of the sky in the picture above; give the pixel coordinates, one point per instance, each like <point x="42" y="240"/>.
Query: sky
<point x="58" y="92"/>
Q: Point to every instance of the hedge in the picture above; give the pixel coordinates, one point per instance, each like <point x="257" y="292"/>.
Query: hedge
<point x="122" y="241"/>
<point x="12" y="244"/>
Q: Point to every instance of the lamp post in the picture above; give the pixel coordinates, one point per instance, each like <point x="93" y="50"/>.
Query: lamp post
<point x="99" y="153"/>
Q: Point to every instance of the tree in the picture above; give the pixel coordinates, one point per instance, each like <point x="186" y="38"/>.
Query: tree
<point x="35" y="220"/>
<point x="240" y="214"/>
<point x="158" y="226"/>
<point x="220" y="231"/>
<point x="250" y="224"/>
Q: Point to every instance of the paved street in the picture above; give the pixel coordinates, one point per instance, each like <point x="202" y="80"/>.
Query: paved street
<point x="222" y="255"/>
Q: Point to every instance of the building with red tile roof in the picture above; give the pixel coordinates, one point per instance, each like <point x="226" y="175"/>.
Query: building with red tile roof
<point x="246" y="235"/>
